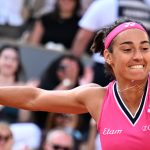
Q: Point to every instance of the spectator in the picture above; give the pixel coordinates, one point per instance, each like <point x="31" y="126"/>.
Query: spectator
<point x="27" y="136"/>
<point x="6" y="136"/>
<point x="58" y="139"/>
<point x="11" y="71"/>
<point x="68" y="122"/>
<point x="92" y="21"/>
<point x="14" y="17"/>
<point x="48" y="6"/>
<point x="59" y="120"/>
<point x="136" y="9"/>
<point x="59" y="26"/>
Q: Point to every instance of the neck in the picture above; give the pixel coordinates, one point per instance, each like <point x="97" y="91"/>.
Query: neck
<point x="132" y="94"/>
<point x="7" y="80"/>
<point x="66" y="15"/>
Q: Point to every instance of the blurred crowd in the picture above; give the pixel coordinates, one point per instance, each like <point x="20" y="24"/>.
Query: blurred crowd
<point x="68" y="27"/>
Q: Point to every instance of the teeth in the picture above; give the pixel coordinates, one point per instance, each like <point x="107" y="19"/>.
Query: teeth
<point x="137" y="67"/>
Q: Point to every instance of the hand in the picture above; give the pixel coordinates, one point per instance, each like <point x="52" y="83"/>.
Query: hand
<point x="33" y="82"/>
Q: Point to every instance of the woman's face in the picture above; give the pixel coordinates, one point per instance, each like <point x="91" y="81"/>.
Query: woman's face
<point x="67" y="5"/>
<point x="130" y="59"/>
<point x="68" y="68"/>
<point x="6" y="140"/>
<point x="8" y="62"/>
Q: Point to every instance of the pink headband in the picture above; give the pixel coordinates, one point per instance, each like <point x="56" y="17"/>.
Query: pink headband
<point x="120" y="28"/>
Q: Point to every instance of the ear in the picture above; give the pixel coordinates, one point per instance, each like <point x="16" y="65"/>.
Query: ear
<point x="107" y="56"/>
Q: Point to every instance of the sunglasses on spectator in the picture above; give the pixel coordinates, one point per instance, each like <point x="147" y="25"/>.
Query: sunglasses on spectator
<point x="58" y="147"/>
<point x="5" y="138"/>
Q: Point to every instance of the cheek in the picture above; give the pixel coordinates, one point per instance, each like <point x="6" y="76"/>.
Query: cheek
<point x="118" y="65"/>
<point x="13" y="66"/>
<point x="148" y="61"/>
<point x="60" y="75"/>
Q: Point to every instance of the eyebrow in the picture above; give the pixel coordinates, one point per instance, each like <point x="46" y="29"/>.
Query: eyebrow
<point x="129" y="42"/>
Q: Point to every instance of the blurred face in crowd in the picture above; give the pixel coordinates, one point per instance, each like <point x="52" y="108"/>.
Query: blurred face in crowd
<point x="64" y="120"/>
<point x="67" y="5"/>
<point x="68" y="68"/>
<point x="9" y="61"/>
<point x="58" y="140"/>
<point x="60" y="120"/>
<point x="6" y="140"/>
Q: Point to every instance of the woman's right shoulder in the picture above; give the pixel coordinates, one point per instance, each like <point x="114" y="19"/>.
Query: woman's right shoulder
<point x="91" y="86"/>
<point x="91" y="96"/>
<point x="91" y="90"/>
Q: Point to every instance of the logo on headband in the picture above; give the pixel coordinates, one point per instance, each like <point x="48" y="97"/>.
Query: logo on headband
<point x="129" y="24"/>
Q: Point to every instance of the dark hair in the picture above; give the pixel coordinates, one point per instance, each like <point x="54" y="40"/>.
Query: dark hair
<point x="98" y="43"/>
<point x="49" y="79"/>
<point x="19" y="71"/>
<point x="76" y="12"/>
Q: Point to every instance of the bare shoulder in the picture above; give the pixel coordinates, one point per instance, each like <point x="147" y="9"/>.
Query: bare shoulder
<point x="90" y="88"/>
<point x="91" y="96"/>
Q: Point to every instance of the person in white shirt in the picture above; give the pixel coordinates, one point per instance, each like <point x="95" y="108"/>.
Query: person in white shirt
<point x="99" y="14"/>
<point x="14" y="17"/>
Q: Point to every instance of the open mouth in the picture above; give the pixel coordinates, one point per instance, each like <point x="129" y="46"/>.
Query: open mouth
<point x="137" y="67"/>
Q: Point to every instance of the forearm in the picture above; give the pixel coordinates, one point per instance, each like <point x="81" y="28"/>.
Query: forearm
<point x="81" y="41"/>
<point x="18" y="96"/>
<point x="36" y="34"/>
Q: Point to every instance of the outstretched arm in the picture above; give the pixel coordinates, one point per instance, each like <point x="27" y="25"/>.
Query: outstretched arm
<point x="86" y="98"/>
<point x="31" y="98"/>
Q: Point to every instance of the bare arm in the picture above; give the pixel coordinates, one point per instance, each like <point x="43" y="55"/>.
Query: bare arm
<point x="36" y="34"/>
<point x="81" y="41"/>
<point x="31" y="98"/>
<point x="78" y="100"/>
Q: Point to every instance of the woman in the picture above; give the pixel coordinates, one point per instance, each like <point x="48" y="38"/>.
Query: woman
<point x="6" y="136"/>
<point x="59" y="26"/>
<point x="64" y="67"/>
<point x="11" y="72"/>
<point x="121" y="110"/>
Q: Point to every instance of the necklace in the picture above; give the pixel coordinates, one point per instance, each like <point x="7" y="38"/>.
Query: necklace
<point x="139" y="88"/>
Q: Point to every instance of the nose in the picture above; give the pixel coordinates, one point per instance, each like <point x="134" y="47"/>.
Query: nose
<point x="137" y="55"/>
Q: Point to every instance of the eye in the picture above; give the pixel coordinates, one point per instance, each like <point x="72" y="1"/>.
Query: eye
<point x="127" y="50"/>
<point x="145" y="48"/>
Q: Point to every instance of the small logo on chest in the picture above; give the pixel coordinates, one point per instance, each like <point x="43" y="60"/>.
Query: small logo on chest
<point x="108" y="131"/>
<point x="146" y="128"/>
